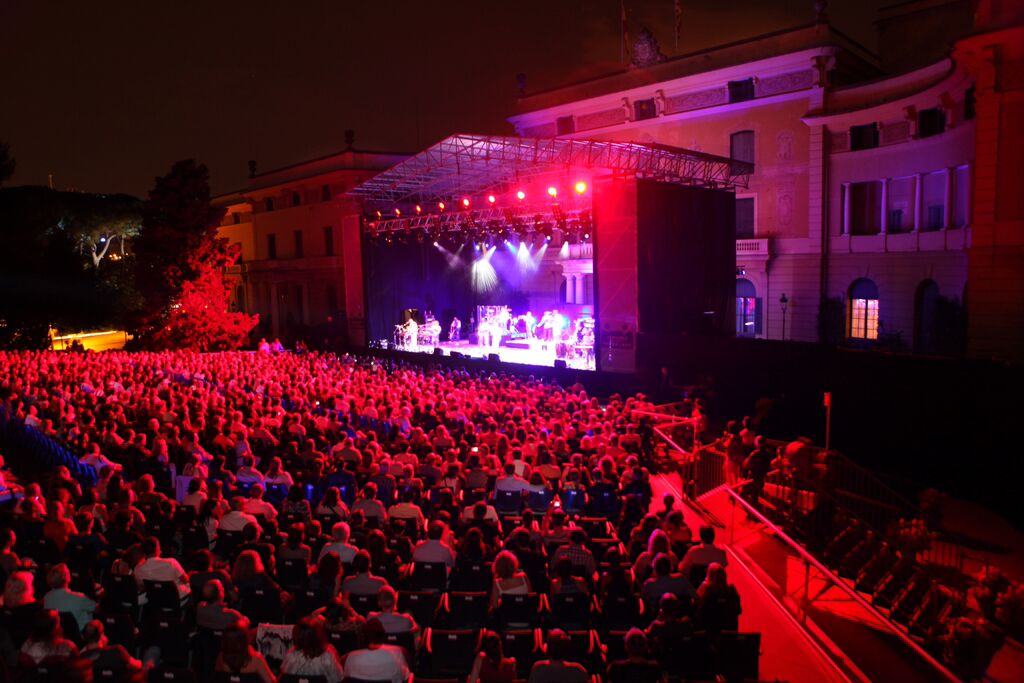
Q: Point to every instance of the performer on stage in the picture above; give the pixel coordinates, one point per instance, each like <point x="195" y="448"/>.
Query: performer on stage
<point x="455" y="330"/>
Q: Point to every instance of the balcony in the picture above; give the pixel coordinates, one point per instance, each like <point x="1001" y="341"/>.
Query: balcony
<point x="753" y="247"/>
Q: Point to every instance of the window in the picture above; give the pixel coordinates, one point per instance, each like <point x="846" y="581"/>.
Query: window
<point x="237" y="217"/>
<point x="565" y="125"/>
<point x="934" y="201"/>
<point x="237" y="246"/>
<point x="325" y="193"/>
<point x="863" y="310"/>
<point x="864" y="137"/>
<point x="744" y="218"/>
<point x="298" y="244"/>
<point x="328" y="240"/>
<point x="748" y="309"/>
<point x="961" y="196"/>
<point x="268" y="203"/>
<point x="865" y="208"/>
<point x="644" y="109"/>
<point x="930" y="122"/>
<point x="741" y="146"/>
<point x="969" y="104"/>
<point x="271" y="247"/>
<point x="740" y="91"/>
<point x="900" y="204"/>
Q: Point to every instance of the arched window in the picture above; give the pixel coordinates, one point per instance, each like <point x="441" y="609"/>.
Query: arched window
<point x="748" y="309"/>
<point x="741" y="146"/>
<point x="926" y="317"/>
<point x="862" y="312"/>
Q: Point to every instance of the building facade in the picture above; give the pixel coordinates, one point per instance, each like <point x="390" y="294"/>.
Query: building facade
<point x="299" y="231"/>
<point x="859" y="223"/>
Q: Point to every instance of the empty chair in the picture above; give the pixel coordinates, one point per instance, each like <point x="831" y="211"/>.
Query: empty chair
<point x="344" y="641"/>
<point x="451" y="652"/>
<point x="429" y="576"/>
<point x="171" y="636"/>
<point x="570" y="610"/>
<point x="689" y="658"/>
<point x="467" y="610"/>
<point x="519" y="610"/>
<point x="308" y="600"/>
<point x="472" y="577"/>
<point x="120" y="594"/>
<point x="119" y="628"/>
<point x="540" y="501"/>
<point x="574" y="502"/>
<point x="261" y="605"/>
<point x="508" y="502"/>
<point x="422" y="605"/>
<point x="161" y="597"/>
<point x="622" y="612"/>
<point x="293" y="574"/>
<point x="363" y="603"/>
<point x="524" y="645"/>
<point x="585" y="649"/>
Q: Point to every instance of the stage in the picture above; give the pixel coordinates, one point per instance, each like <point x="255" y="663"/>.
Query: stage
<point x="534" y="354"/>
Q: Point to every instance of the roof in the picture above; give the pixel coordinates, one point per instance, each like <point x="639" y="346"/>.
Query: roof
<point x="469" y="164"/>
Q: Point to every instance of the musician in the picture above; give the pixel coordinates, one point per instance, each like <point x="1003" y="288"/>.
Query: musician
<point x="455" y="330"/>
<point x="531" y="324"/>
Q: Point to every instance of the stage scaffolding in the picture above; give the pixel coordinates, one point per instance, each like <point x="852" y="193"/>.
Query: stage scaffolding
<point x="464" y="165"/>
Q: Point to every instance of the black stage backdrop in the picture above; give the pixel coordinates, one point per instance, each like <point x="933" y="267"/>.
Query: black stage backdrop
<point x="411" y="274"/>
<point x="686" y="259"/>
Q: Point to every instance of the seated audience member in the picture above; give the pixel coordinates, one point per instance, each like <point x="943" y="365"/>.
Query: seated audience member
<point x="718" y="602"/>
<point x="408" y="510"/>
<point x="577" y="553"/>
<point x="237" y="518"/>
<point x="249" y="573"/>
<point x="310" y="654"/>
<point x="566" y="582"/>
<point x="664" y="581"/>
<point x="293" y="548"/>
<point x="161" y="569"/>
<point x="362" y="582"/>
<point x="700" y="556"/>
<point x="237" y="656"/>
<point x="434" y="549"/>
<point x="332" y="504"/>
<point x="378" y="661"/>
<point x="491" y="665"/>
<point x="555" y="669"/>
<point x="328" y="574"/>
<point x="62" y="599"/>
<point x="212" y="613"/>
<point x="392" y="621"/>
<point x="338" y="615"/>
<point x="339" y="544"/>
<point x="101" y="655"/>
<point x="637" y="667"/>
<point x="46" y="640"/>
<point x="668" y="627"/>
<point x="256" y="506"/>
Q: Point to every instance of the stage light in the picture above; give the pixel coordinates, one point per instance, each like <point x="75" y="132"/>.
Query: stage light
<point x="491" y="198"/>
<point x="436" y="244"/>
<point x="398" y="212"/>
<point x="553" y="191"/>
<point x="379" y="215"/>
<point x="581" y="187"/>
<point x="419" y="209"/>
<point x="520" y="195"/>
<point x="465" y="202"/>
<point x="440" y="206"/>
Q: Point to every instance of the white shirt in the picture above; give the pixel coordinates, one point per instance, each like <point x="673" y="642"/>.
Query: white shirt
<point x="345" y="551"/>
<point x="386" y="663"/>
<point x="260" y="507"/>
<point x="236" y="521"/>
<point x="164" y="569"/>
<point x="433" y="551"/>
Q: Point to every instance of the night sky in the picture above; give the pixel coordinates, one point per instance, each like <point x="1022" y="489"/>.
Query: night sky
<point x="106" y="95"/>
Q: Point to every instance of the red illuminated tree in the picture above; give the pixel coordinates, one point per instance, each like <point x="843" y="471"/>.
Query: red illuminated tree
<point x="180" y="264"/>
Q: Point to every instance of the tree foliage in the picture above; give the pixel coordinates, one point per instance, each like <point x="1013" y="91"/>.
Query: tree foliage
<point x="180" y="263"/>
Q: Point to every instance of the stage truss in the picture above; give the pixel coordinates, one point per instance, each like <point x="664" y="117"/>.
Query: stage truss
<point x="470" y="164"/>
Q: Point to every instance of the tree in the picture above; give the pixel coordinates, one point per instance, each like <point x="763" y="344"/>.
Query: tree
<point x="180" y="264"/>
<point x="96" y="223"/>
<point x="7" y="162"/>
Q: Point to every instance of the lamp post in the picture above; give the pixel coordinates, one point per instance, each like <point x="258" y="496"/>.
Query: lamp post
<point x="784" y="303"/>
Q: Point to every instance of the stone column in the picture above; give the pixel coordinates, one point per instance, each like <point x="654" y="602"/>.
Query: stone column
<point x="846" y="209"/>
<point x="885" y="206"/>
<point x="580" y="295"/>
<point x="918" y="202"/>
<point x="947" y="209"/>
<point x="570" y="289"/>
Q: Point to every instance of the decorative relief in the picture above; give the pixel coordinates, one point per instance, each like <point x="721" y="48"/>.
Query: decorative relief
<point x="697" y="100"/>
<point x="773" y="85"/>
<point x="784" y="191"/>
<point x="609" y="117"/>
<point x="895" y="131"/>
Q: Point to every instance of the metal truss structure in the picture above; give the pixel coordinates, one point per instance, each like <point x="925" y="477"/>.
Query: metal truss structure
<point x="469" y="164"/>
<point x="539" y="218"/>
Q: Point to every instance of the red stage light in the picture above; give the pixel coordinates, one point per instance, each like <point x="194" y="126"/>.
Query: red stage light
<point x="440" y="205"/>
<point x="581" y="187"/>
<point x="465" y="202"/>
<point x="553" y="191"/>
<point x="520" y="195"/>
<point x="491" y="198"/>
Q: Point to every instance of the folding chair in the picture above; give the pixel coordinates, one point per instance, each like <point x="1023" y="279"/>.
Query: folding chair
<point x="451" y="652"/>
<point x="467" y="610"/>
<point x="429" y="576"/>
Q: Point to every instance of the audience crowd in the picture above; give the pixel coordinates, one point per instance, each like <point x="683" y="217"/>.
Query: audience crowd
<point x="263" y="517"/>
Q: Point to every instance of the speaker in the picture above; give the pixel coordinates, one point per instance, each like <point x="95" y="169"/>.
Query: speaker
<point x="560" y="364"/>
<point x="438" y="351"/>
<point x="493" y="358"/>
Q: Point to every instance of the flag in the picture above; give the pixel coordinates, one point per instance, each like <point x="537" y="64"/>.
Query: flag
<point x="679" y="19"/>
<point x="624" y="48"/>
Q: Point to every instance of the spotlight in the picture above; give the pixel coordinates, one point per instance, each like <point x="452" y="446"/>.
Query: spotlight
<point x="379" y="214"/>
<point x="398" y="212"/>
<point x="520" y="195"/>
<point x="419" y="209"/>
<point x="440" y="206"/>
<point x="436" y="244"/>
<point x="581" y="187"/>
<point x="491" y="198"/>
<point x="553" y="191"/>
<point x="465" y="202"/>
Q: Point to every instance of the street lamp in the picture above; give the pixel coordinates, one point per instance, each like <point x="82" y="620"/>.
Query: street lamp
<point x="784" y="303"/>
